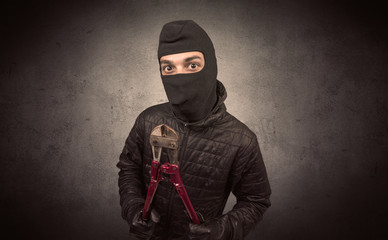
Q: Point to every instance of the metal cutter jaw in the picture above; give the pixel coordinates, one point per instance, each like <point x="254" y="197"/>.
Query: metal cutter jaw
<point x="162" y="136"/>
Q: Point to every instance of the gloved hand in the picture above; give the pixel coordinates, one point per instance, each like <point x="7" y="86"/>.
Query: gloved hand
<point x="205" y="231"/>
<point x="142" y="229"/>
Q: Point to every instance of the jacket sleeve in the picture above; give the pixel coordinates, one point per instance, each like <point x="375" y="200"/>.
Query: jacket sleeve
<point x="131" y="184"/>
<point x="251" y="187"/>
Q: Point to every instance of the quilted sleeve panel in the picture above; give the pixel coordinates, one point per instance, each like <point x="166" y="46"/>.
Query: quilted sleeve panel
<point x="251" y="187"/>
<point x="131" y="184"/>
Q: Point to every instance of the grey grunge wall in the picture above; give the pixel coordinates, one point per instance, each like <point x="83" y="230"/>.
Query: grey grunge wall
<point x="310" y="79"/>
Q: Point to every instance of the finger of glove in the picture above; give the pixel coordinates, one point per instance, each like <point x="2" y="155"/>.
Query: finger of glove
<point x="155" y="217"/>
<point x="134" y="211"/>
<point x="201" y="229"/>
<point x="201" y="217"/>
<point x="202" y="237"/>
<point x="136" y="234"/>
<point x="139" y="222"/>
<point x="196" y="236"/>
<point x="142" y="229"/>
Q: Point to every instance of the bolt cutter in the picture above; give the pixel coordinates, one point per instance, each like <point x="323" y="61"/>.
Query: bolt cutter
<point x="163" y="136"/>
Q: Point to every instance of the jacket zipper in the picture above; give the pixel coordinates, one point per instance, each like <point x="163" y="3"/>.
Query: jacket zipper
<point x="180" y="155"/>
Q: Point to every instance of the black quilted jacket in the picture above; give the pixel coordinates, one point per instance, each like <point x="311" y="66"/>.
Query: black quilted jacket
<point x="217" y="155"/>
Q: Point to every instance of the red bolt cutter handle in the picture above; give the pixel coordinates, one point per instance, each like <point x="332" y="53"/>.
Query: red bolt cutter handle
<point x="155" y="179"/>
<point x="175" y="178"/>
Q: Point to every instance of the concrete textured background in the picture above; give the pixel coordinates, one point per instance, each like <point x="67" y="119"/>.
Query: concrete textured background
<point x="310" y="79"/>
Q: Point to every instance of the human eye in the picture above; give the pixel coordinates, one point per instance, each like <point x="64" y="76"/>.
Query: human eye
<point x="194" y="66"/>
<point x="167" y="68"/>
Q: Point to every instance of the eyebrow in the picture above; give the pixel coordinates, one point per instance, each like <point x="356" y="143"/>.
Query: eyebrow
<point x="186" y="60"/>
<point x="192" y="58"/>
<point x="165" y="62"/>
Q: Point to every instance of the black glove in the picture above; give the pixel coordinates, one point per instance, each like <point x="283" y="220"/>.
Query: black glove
<point x="205" y="231"/>
<point x="142" y="229"/>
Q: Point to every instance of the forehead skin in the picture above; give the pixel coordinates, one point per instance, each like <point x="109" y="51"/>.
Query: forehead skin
<point x="180" y="58"/>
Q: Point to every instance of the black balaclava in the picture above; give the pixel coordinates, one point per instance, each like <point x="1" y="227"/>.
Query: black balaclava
<point x="192" y="96"/>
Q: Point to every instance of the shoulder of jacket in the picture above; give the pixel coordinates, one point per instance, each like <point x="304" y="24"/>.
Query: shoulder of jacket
<point x="239" y="127"/>
<point x="243" y="135"/>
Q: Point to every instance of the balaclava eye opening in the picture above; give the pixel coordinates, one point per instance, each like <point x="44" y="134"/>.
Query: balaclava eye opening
<point x="191" y="96"/>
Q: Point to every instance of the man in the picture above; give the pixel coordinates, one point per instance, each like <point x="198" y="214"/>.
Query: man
<point x="217" y="153"/>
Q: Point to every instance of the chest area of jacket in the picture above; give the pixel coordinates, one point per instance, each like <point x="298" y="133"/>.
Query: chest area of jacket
<point x="208" y="154"/>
